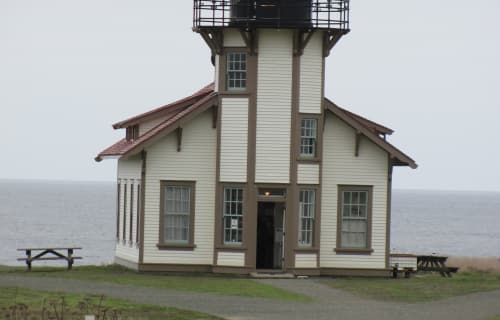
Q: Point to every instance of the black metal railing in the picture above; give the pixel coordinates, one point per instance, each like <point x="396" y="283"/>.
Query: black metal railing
<point x="247" y="14"/>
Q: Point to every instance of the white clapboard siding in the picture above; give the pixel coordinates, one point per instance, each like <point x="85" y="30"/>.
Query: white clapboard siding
<point x="233" y="38"/>
<point x="403" y="261"/>
<point x="150" y="124"/>
<point x="274" y="93"/>
<point x="129" y="173"/>
<point x="306" y="260"/>
<point x="311" y="76"/>
<point x="196" y="162"/>
<point x="341" y="167"/>
<point x="308" y="173"/>
<point x="234" y="140"/>
<point x="231" y="259"/>
<point x="127" y="252"/>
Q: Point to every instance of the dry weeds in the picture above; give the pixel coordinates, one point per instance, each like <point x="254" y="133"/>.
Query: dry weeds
<point x="475" y="264"/>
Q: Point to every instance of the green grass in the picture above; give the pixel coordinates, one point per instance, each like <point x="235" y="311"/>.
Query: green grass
<point x="231" y="286"/>
<point x="419" y="288"/>
<point x="36" y="301"/>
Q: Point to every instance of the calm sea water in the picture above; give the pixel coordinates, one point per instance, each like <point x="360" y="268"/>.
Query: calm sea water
<point x="46" y="214"/>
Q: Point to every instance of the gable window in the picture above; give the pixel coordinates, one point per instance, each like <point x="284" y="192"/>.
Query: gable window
<point x="236" y="71"/>
<point x="177" y="213"/>
<point x="233" y="215"/>
<point x="308" y="137"/>
<point x="306" y="220"/>
<point x="354" y="218"/>
<point x="132" y="133"/>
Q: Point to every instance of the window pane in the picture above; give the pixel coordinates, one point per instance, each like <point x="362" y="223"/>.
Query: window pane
<point x="236" y="71"/>
<point x="308" y="137"/>
<point x="177" y="211"/>
<point x="233" y="215"/>
<point x="354" y="223"/>
<point x="306" y="221"/>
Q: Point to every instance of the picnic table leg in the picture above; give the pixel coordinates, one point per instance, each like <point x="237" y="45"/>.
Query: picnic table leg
<point x="28" y="259"/>
<point x="70" y="259"/>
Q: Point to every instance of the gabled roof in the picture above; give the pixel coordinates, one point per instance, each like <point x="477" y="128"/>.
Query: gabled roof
<point x="369" y="131"/>
<point x="181" y="111"/>
<point x="166" y="109"/>
<point x="124" y="147"/>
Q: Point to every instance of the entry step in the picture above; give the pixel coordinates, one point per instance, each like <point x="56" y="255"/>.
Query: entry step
<point x="272" y="275"/>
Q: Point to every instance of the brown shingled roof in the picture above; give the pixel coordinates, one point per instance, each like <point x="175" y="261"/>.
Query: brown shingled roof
<point x="166" y="109"/>
<point x="124" y="147"/>
<point x="184" y="109"/>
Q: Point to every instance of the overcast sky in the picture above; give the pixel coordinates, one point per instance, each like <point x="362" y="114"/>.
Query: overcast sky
<point x="71" y="68"/>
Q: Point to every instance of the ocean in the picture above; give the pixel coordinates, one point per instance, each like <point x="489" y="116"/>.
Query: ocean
<point x="82" y="214"/>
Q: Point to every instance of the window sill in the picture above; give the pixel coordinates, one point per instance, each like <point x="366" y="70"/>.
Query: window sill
<point x="308" y="160"/>
<point x="234" y="92"/>
<point x="353" y="251"/>
<point x="178" y="247"/>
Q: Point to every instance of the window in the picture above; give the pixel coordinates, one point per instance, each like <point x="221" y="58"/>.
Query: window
<point x="132" y="133"/>
<point x="306" y="222"/>
<point x="177" y="213"/>
<point x="236" y="71"/>
<point x="233" y="215"/>
<point x="308" y="137"/>
<point x="355" y="217"/>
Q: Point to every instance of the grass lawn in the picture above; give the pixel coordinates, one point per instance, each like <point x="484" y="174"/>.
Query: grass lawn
<point x="76" y="307"/>
<point x="198" y="283"/>
<point x="418" y="288"/>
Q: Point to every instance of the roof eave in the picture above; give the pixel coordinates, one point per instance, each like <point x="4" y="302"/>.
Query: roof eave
<point x="394" y="152"/>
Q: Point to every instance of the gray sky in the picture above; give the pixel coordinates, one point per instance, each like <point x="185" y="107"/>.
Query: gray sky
<point x="69" y="69"/>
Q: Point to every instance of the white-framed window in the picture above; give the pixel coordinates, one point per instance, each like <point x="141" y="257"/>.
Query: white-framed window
<point x="355" y="217"/>
<point x="233" y="215"/>
<point x="308" y="137"/>
<point x="177" y="213"/>
<point x="307" y="205"/>
<point x="236" y="71"/>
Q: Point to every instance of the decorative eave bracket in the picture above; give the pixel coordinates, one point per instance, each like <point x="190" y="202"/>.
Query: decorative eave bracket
<point x="330" y="39"/>
<point x="214" y="39"/>
<point x="250" y="38"/>
<point x="300" y="40"/>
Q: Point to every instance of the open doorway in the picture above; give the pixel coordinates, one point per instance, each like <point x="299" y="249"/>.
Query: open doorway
<point x="270" y="236"/>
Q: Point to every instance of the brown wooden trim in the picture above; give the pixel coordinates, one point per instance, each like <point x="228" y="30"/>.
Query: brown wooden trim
<point x="143" y="206"/>
<point x="353" y="251"/>
<point x="352" y="272"/>
<point x="231" y="270"/>
<point x="118" y="203"/>
<point x="317" y="222"/>
<point x="176" y="247"/>
<point x="250" y="220"/>
<point x="339" y="249"/>
<point x="124" y="227"/>
<point x="179" y="139"/>
<point x="163" y="184"/>
<point x="138" y="214"/>
<point x="183" y="268"/>
<point x="219" y="236"/>
<point x="319" y="137"/>
<point x="389" y="212"/>
<point x="131" y="218"/>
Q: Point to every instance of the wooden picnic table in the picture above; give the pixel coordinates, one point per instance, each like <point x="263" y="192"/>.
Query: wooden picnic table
<point x="435" y="263"/>
<point x="54" y="254"/>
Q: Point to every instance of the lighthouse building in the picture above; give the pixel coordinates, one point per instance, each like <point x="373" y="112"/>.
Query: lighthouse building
<point x="258" y="171"/>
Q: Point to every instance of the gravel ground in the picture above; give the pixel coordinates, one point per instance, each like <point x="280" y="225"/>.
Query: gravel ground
<point x="329" y="303"/>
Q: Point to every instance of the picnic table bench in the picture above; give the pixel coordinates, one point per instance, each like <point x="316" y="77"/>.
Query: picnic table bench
<point x="436" y="264"/>
<point x="56" y="254"/>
